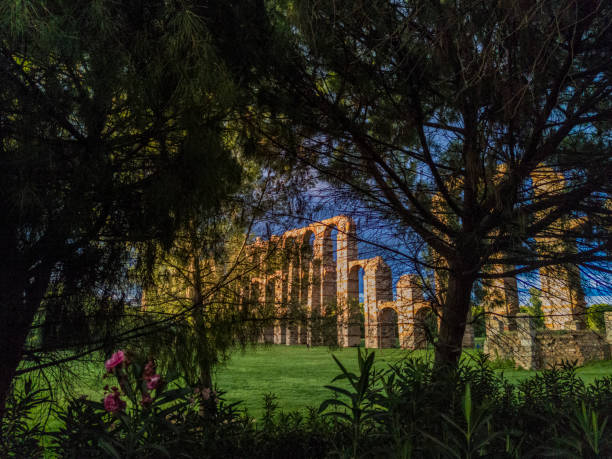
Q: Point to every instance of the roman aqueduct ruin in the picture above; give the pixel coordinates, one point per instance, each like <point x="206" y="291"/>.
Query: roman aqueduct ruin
<point x="304" y="283"/>
<point x="313" y="297"/>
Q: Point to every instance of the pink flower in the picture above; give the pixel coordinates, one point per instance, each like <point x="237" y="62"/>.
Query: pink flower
<point x="149" y="369"/>
<point x="206" y="393"/>
<point x="116" y="359"/>
<point x="146" y="399"/>
<point x="153" y="382"/>
<point x="113" y="403"/>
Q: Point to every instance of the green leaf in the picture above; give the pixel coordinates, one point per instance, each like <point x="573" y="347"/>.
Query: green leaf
<point x="110" y="449"/>
<point x="161" y="449"/>
<point x="467" y="404"/>
<point x="333" y="402"/>
<point x="340" y="390"/>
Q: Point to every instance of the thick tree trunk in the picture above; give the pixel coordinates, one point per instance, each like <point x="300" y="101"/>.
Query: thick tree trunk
<point x="16" y="317"/>
<point x="454" y="316"/>
<point x="21" y="293"/>
<point x="13" y="334"/>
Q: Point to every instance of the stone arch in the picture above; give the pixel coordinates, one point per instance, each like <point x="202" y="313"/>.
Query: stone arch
<point x="388" y="326"/>
<point x="377" y="289"/>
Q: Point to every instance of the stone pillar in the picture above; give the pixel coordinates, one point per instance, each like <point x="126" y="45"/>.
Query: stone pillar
<point x="377" y="290"/>
<point x="501" y="304"/>
<point x="329" y="309"/>
<point x="608" y="323"/>
<point x="315" y="288"/>
<point x="525" y="354"/>
<point x="468" y="336"/>
<point x="563" y="302"/>
<point x="346" y="252"/>
<point x="280" y="325"/>
<point x="403" y="304"/>
<point x="409" y="300"/>
<point x="293" y="295"/>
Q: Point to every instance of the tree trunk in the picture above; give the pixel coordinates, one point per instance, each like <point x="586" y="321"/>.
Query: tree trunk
<point x="454" y="316"/>
<point x="21" y="293"/>
<point x="14" y="328"/>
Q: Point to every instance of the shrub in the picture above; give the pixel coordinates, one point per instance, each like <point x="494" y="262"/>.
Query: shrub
<point x="474" y="412"/>
<point x="140" y="417"/>
<point x="20" y="434"/>
<point x="406" y="410"/>
<point x="595" y="316"/>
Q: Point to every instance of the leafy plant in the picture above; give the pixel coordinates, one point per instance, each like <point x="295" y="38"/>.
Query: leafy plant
<point x="589" y="429"/>
<point x="473" y="437"/>
<point x="595" y="316"/>
<point x="357" y="411"/>
<point x="20" y="434"/>
<point x="150" y="424"/>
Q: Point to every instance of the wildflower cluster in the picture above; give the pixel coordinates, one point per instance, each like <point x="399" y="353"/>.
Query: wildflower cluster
<point x="146" y="382"/>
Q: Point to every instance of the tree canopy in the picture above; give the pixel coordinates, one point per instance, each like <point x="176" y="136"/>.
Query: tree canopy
<point x="113" y="124"/>
<point x="482" y="128"/>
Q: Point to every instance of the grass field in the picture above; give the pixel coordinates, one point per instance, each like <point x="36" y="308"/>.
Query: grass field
<point x="295" y="374"/>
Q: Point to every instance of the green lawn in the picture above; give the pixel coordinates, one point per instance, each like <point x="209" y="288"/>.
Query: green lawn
<point x="295" y="374"/>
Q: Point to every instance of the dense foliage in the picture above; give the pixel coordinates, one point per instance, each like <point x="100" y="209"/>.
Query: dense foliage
<point x="479" y="131"/>
<point x="404" y="411"/>
<point x="114" y="135"/>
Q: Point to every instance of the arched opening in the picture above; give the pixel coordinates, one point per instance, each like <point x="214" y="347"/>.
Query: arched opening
<point x="329" y="272"/>
<point x="359" y="314"/>
<point x="425" y="328"/>
<point x="388" y="331"/>
<point x="334" y="242"/>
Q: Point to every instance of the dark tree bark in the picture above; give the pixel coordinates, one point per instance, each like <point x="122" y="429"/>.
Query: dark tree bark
<point x="453" y="320"/>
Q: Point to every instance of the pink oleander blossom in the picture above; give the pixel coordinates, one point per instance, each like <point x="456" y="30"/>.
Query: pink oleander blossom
<point x="113" y="403"/>
<point x="149" y="369"/>
<point x="146" y="399"/>
<point x="116" y="359"/>
<point x="153" y="382"/>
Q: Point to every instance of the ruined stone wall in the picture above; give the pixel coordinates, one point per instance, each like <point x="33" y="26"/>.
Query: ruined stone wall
<point x="578" y="346"/>
<point x="540" y="349"/>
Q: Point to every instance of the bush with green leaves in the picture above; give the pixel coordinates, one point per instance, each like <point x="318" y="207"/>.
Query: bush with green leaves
<point x="595" y="316"/>
<point x="141" y="416"/>
<point x="412" y="411"/>
<point x="20" y="433"/>
<point x="408" y="410"/>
